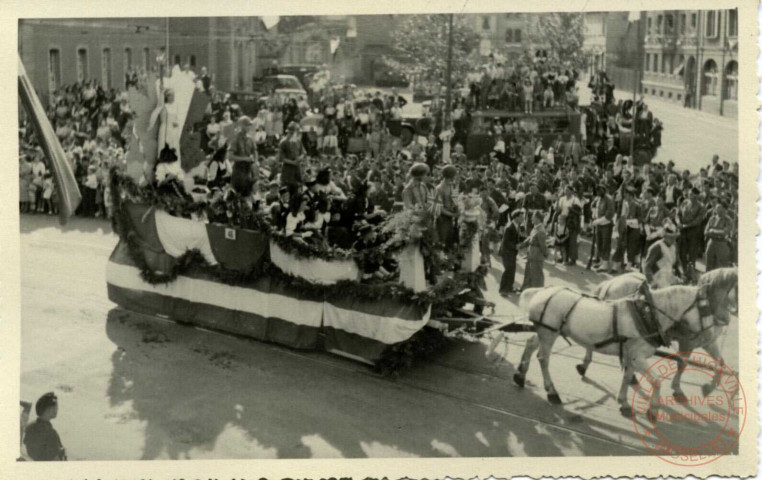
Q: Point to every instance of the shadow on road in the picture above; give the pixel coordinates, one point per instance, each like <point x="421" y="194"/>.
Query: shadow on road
<point x="191" y="388"/>
<point x="30" y="222"/>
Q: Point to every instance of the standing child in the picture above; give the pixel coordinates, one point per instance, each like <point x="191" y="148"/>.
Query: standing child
<point x="47" y="193"/>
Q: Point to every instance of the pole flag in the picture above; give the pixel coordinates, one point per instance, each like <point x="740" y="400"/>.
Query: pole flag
<point x="68" y="191"/>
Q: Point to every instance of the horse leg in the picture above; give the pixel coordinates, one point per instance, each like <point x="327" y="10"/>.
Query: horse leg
<point x="641" y="365"/>
<point x="582" y="367"/>
<point x="681" y="359"/>
<point x="532" y="345"/>
<point x="624" y="407"/>
<point x="546" y="345"/>
<point x="713" y="349"/>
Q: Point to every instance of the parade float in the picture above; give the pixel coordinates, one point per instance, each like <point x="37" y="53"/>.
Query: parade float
<point x="216" y="264"/>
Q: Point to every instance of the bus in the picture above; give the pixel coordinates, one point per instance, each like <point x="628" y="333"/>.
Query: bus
<point x="546" y="125"/>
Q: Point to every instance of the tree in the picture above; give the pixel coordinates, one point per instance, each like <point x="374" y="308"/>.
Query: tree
<point x="420" y="46"/>
<point x="564" y="33"/>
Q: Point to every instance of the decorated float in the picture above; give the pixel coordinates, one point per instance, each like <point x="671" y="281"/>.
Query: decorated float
<point x="215" y="263"/>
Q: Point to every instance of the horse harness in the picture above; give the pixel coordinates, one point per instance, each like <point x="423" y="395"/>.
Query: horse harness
<point x="565" y="317"/>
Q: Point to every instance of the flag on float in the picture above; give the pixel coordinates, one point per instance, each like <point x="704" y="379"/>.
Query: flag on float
<point x="68" y="191"/>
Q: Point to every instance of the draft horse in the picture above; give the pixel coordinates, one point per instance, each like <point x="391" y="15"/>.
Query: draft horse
<point x="631" y="328"/>
<point x="720" y="288"/>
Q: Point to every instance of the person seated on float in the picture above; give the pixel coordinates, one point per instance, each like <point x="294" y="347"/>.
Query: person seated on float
<point x="368" y="238"/>
<point x="325" y="185"/>
<point x="279" y="210"/>
<point x="296" y="217"/>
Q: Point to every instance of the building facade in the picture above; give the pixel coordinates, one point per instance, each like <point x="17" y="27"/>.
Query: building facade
<point x="58" y="52"/>
<point x="603" y="39"/>
<point x="690" y="57"/>
<point x="506" y="34"/>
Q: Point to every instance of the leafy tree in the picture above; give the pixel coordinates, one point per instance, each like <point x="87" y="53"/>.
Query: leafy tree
<point x="420" y="46"/>
<point x="564" y="33"/>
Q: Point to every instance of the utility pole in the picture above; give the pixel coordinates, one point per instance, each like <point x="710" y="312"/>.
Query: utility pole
<point x="166" y="45"/>
<point x="448" y="95"/>
<point x="635" y="87"/>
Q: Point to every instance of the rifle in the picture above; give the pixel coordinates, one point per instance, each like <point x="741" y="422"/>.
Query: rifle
<point x="593" y="249"/>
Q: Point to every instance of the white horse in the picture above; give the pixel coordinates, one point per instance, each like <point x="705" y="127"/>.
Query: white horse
<point x="721" y="283"/>
<point x="611" y="328"/>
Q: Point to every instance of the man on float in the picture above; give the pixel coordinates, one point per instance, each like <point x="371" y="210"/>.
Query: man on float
<point x="447" y="209"/>
<point x="661" y="260"/>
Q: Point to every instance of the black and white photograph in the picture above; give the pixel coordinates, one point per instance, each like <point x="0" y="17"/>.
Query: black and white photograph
<point x="366" y="236"/>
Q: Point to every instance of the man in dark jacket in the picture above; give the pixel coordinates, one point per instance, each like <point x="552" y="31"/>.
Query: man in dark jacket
<point x="41" y="439"/>
<point x="508" y="250"/>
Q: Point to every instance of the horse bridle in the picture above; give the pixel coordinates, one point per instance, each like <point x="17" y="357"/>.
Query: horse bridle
<point x="701" y="302"/>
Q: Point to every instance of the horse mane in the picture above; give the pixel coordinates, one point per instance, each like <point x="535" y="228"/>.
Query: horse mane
<point x="719" y="278"/>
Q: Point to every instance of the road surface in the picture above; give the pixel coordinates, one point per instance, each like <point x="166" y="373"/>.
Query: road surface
<point x="138" y="387"/>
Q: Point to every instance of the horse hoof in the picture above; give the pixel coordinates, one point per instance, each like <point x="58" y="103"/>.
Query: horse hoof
<point x="554" y="399"/>
<point x="707" y="389"/>
<point x="633" y="381"/>
<point x="680" y="397"/>
<point x="653" y="415"/>
<point x="626" y="411"/>
<point x="581" y="369"/>
<point x="518" y="380"/>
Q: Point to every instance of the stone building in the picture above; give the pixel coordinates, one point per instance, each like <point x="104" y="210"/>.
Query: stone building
<point x="690" y="57"/>
<point x="603" y="39"/>
<point x="507" y="34"/>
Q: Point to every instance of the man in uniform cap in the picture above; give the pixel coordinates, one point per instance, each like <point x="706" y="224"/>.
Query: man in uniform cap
<point x="718" y="231"/>
<point x="416" y="194"/>
<point x="661" y="260"/>
<point x="41" y="439"/>
<point x="447" y="210"/>
<point x="690" y="217"/>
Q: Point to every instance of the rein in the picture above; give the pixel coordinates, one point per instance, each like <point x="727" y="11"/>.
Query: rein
<point x="701" y="302"/>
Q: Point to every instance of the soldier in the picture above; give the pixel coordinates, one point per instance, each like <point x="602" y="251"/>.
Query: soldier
<point x="41" y="439"/>
<point x="689" y="217"/>
<point x="718" y="231"/>
<point x="603" y="216"/>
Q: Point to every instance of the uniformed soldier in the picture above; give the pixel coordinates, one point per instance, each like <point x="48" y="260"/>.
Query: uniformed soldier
<point x="718" y="232"/>
<point x="660" y="266"/>
<point x="690" y="216"/>
<point x="41" y="439"/>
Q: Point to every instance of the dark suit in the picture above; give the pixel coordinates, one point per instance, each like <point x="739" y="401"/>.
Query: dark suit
<point x="508" y="250"/>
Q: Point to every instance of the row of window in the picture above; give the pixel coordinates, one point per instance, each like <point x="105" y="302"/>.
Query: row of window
<point x="666" y="23"/>
<point x="55" y="79"/>
<point x="710" y="73"/>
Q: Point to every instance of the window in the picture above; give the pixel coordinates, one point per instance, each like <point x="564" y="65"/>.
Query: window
<point x="509" y="36"/>
<point x="106" y="68"/>
<point x="517" y="36"/>
<point x="656" y="63"/>
<point x="648" y="27"/>
<point x="178" y="60"/>
<point x="146" y="58"/>
<point x="731" y="81"/>
<point x="512" y="35"/>
<point x="670" y="23"/>
<point x="683" y="21"/>
<point x="127" y="59"/>
<point x="659" y="20"/>
<point x="733" y="23"/>
<point x="54" y="70"/>
<point x="712" y="22"/>
<point x="192" y="61"/>
<point x="82" y="66"/>
<point x="710" y="78"/>
<point x="239" y="61"/>
<point x="648" y="62"/>
<point x="485" y="23"/>
<point x="664" y="64"/>
<point x="694" y="21"/>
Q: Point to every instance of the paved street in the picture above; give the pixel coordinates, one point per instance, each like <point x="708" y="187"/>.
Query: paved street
<point x="138" y="387"/>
